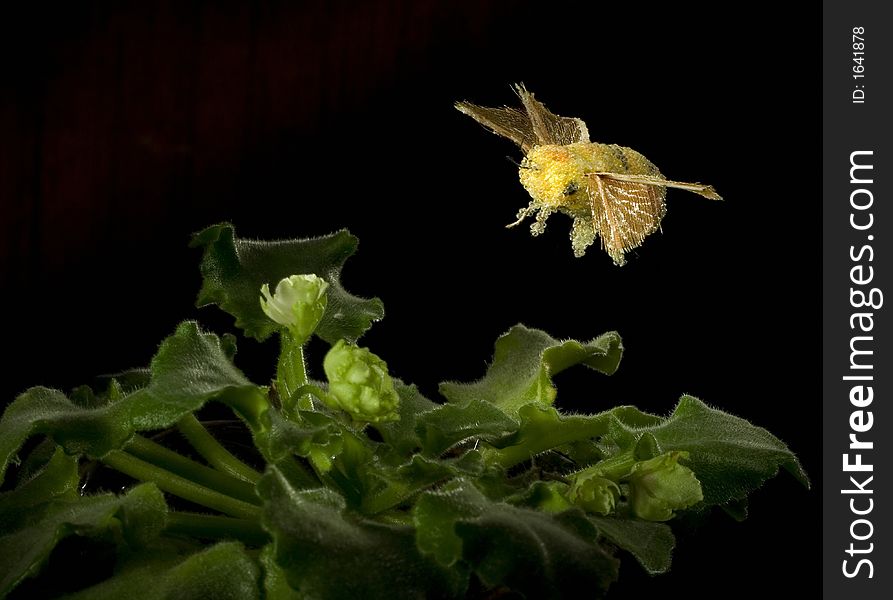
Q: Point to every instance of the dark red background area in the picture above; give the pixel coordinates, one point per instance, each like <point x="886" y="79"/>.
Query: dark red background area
<point x="126" y="127"/>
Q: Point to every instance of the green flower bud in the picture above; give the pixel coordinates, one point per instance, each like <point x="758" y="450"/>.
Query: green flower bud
<point x="299" y="303"/>
<point x="359" y="384"/>
<point x="660" y="485"/>
<point x="594" y="493"/>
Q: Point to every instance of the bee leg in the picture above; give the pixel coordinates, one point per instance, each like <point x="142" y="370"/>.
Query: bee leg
<point x="539" y="226"/>
<point x="518" y="222"/>
<point x="523" y="214"/>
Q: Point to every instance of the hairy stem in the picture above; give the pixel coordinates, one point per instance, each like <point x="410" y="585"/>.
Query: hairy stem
<point x="615" y="468"/>
<point x="213" y="451"/>
<point x="178" y="486"/>
<point x="291" y="375"/>
<point x="299" y="473"/>
<point x="215" y="527"/>
<point x="165" y="458"/>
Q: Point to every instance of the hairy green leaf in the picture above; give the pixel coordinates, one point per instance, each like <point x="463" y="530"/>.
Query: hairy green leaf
<point x="392" y="485"/>
<point x="223" y="571"/>
<point x="36" y="460"/>
<point x="58" y="478"/>
<point x="524" y="362"/>
<point x="730" y="457"/>
<point x="189" y="369"/>
<point x="315" y="432"/>
<point x="234" y="269"/>
<point x="328" y="553"/>
<point x="133" y="379"/>
<point x="401" y="435"/>
<point x="547" y="496"/>
<point x="452" y="423"/>
<point x="537" y="554"/>
<point x="543" y="428"/>
<point x="133" y="519"/>
<point x="275" y="582"/>
<point x="650" y="542"/>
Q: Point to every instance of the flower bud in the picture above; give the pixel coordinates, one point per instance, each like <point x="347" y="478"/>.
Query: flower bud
<point x="594" y="493"/>
<point x="359" y="383"/>
<point x="299" y="303"/>
<point x="660" y="485"/>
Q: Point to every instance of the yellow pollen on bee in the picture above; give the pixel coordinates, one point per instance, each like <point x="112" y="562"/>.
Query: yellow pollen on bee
<point x="546" y="173"/>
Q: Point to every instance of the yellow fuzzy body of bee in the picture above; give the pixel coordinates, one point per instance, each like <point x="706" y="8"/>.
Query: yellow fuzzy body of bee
<point x="555" y="175"/>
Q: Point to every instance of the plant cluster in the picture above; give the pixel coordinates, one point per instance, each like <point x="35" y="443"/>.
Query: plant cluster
<point x="359" y="486"/>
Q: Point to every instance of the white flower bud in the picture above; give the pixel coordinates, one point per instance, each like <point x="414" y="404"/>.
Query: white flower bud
<point x="298" y="303"/>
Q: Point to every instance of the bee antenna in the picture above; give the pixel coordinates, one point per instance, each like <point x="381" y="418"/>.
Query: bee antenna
<point x="517" y="164"/>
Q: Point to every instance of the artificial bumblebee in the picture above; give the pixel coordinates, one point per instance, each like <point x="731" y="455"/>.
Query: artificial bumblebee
<point x="611" y="191"/>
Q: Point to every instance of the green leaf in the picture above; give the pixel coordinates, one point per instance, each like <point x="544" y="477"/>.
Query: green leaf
<point x="350" y="468"/>
<point x="395" y="485"/>
<point x="133" y="519"/>
<point x="449" y="424"/>
<point x="326" y="552"/>
<point x="737" y="509"/>
<point x="435" y="516"/>
<point x="524" y="362"/>
<point x="275" y="580"/>
<point x="42" y="410"/>
<point x="730" y="456"/>
<point x="58" y="478"/>
<point x="401" y="434"/>
<point x="633" y="418"/>
<point x="316" y="432"/>
<point x="534" y="553"/>
<point x="222" y="572"/>
<point x="36" y="460"/>
<point x="190" y="368"/>
<point x="543" y="428"/>
<point x="234" y="269"/>
<point x="131" y="380"/>
<point x="651" y="543"/>
<point x="547" y="496"/>
<point x="391" y="485"/>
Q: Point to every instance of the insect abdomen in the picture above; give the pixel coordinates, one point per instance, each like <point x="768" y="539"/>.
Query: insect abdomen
<point x="630" y="161"/>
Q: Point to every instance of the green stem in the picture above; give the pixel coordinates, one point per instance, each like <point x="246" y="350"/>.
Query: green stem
<point x="291" y="375"/>
<point x="249" y="402"/>
<point x="179" y="486"/>
<point x="213" y="451"/>
<point x="614" y="468"/>
<point x="215" y="527"/>
<point x="166" y="458"/>
<point x="300" y="475"/>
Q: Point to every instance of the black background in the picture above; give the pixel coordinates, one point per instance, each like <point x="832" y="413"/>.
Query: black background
<point x="128" y="127"/>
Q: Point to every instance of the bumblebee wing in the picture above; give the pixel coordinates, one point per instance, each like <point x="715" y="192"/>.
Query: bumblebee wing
<point x="698" y="188"/>
<point x="623" y="213"/>
<point x="507" y="122"/>
<point x="549" y="128"/>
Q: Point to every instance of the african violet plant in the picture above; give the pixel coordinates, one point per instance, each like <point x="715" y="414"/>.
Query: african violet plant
<point x="360" y="487"/>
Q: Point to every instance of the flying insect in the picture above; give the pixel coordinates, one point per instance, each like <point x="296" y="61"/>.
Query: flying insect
<point x="612" y="192"/>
